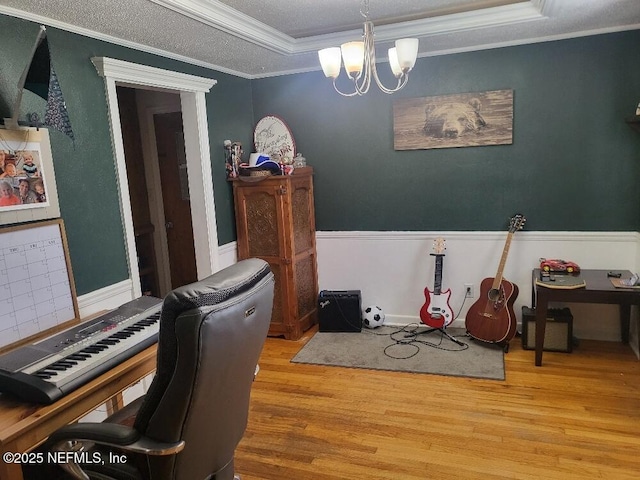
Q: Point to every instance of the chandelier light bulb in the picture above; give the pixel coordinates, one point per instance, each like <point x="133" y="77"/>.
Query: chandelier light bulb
<point x="353" y="58"/>
<point x="359" y="60"/>
<point x="393" y="62"/>
<point x="330" y="60"/>
<point x="407" y="49"/>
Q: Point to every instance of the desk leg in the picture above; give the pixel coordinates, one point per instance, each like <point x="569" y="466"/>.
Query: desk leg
<point x="541" y="323"/>
<point x="114" y="404"/>
<point x="625" y="320"/>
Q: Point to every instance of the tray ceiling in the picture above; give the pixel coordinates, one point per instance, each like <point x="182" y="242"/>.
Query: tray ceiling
<point x="258" y="38"/>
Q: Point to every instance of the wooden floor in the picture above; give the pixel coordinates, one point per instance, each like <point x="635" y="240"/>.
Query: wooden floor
<point x="576" y="417"/>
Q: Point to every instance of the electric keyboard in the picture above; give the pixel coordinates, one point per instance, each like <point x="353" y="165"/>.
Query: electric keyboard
<point x="47" y="370"/>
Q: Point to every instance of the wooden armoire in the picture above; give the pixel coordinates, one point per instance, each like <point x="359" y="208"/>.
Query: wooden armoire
<point x="275" y="221"/>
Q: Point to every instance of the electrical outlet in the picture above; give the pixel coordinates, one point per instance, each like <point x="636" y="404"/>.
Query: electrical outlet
<point x="468" y="290"/>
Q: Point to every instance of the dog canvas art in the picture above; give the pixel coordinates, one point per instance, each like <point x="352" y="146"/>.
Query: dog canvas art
<point x="462" y="120"/>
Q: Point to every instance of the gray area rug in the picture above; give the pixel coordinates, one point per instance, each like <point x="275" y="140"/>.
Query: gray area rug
<point x="397" y="349"/>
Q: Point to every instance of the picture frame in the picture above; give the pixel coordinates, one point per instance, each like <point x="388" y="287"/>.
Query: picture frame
<point x="28" y="190"/>
<point x="459" y="120"/>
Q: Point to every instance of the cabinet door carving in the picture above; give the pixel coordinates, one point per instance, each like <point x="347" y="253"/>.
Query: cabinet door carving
<point x="275" y="221"/>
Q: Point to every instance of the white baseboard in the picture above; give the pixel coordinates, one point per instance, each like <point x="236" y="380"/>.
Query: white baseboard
<point x="106" y="298"/>
<point x="113" y="296"/>
<point x="228" y="254"/>
<point x="404" y="320"/>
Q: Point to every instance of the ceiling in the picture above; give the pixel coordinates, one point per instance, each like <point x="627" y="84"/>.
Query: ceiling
<point x="259" y="38"/>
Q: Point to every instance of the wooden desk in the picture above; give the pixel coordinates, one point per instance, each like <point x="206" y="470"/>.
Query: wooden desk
<point x="24" y="426"/>
<point x="599" y="289"/>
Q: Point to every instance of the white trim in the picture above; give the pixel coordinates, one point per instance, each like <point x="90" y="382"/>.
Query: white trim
<point x="426" y="27"/>
<point x="228" y="254"/>
<point x="106" y="298"/>
<point x="14" y="12"/>
<point x="113" y="296"/>
<point x="287" y="45"/>
<point x="233" y="22"/>
<point x="536" y="236"/>
<point x="194" y="116"/>
<point x="203" y="210"/>
<point x="127" y="73"/>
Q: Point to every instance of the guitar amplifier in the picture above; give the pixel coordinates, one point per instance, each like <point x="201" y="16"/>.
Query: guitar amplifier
<point x="340" y="311"/>
<point x="558" y="335"/>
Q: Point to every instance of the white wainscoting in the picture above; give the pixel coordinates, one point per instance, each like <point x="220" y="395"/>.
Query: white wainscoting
<point x="113" y="296"/>
<point x="392" y="269"/>
<point x="228" y="254"/>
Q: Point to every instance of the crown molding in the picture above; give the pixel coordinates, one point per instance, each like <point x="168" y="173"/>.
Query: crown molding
<point x="67" y="27"/>
<point x="544" y="9"/>
<point x="132" y="73"/>
<point x="233" y="22"/>
<point x="458" y="22"/>
<point x="229" y="20"/>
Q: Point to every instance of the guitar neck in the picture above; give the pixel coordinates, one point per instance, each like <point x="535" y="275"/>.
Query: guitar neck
<point x="498" y="278"/>
<point x="437" y="282"/>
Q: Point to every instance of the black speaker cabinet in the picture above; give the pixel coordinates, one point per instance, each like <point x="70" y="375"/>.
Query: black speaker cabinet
<point x="340" y="311"/>
<point x="558" y="335"/>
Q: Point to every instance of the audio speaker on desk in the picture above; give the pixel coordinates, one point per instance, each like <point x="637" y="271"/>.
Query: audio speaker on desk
<point x="340" y="311"/>
<point x="558" y="335"/>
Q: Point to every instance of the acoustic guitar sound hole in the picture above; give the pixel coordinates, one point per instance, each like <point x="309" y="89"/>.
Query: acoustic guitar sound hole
<point x="494" y="294"/>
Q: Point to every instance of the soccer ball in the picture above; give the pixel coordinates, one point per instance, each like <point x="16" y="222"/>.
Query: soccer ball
<point x="373" y="317"/>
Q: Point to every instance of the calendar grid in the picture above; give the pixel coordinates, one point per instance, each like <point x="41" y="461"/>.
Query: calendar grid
<point x="36" y="287"/>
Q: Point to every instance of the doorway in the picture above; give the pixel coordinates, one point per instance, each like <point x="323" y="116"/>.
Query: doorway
<point x="153" y="138"/>
<point x="191" y="90"/>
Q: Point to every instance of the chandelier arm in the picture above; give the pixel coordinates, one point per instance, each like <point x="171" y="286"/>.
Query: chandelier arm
<point x="335" y="87"/>
<point x="402" y="81"/>
<point x="372" y="69"/>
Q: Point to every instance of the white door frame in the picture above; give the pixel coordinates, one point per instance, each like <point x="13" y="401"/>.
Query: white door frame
<point x="192" y="91"/>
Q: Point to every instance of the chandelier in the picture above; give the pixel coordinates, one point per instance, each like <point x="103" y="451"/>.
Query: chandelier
<point x="360" y="60"/>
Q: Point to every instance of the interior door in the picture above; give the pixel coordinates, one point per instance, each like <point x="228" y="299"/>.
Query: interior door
<point x="175" y="197"/>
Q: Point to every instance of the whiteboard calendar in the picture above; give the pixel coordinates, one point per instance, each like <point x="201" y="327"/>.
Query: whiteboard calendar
<point x="37" y="294"/>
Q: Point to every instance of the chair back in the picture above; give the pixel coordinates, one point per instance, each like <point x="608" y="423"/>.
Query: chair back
<point x="211" y="335"/>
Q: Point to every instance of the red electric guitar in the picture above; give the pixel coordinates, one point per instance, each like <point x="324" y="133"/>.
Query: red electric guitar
<point x="436" y="312"/>
<point x="491" y="318"/>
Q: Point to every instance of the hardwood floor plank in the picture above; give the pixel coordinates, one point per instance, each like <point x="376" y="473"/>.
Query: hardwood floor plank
<point x="576" y="417"/>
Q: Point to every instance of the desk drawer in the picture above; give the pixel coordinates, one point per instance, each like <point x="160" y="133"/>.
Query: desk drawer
<point x="558" y="335"/>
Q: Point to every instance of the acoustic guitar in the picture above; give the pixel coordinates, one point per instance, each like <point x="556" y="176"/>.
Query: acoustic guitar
<point x="436" y="312"/>
<point x="491" y="318"/>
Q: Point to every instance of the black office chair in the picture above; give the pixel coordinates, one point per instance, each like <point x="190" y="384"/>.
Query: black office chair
<point x="195" y="413"/>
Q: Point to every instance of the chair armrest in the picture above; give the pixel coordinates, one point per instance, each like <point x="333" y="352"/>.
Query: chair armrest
<point x="113" y="435"/>
<point x="72" y="438"/>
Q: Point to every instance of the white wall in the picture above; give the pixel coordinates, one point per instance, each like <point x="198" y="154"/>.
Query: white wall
<point x="392" y="269"/>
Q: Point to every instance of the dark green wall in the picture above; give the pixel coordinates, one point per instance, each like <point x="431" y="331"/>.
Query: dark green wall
<point x="574" y="164"/>
<point x="85" y="172"/>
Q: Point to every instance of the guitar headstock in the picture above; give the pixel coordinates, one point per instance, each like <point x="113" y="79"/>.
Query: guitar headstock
<point x="439" y="246"/>
<point x="516" y="223"/>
